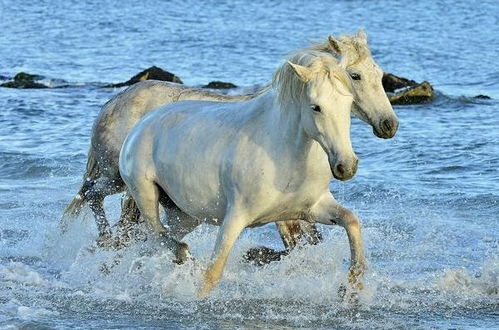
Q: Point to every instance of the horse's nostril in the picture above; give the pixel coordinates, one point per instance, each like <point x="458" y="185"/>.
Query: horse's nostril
<point x="341" y="169"/>
<point x="387" y="125"/>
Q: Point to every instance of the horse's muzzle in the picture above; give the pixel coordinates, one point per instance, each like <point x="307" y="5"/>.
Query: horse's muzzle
<point x="386" y="128"/>
<point x="345" y="170"/>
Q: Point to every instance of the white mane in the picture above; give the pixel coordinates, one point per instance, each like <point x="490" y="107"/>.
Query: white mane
<point x="289" y="86"/>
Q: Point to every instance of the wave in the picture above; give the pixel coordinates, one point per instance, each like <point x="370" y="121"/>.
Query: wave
<point x="18" y="165"/>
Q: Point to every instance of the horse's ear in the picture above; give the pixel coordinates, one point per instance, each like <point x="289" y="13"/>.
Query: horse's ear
<point x="334" y="44"/>
<point x="302" y="72"/>
<point x="362" y="34"/>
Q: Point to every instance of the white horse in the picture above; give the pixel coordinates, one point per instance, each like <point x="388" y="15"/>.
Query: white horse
<point x="248" y="163"/>
<point x="121" y="113"/>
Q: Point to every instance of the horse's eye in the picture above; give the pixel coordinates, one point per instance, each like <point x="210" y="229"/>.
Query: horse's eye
<point x="355" y="76"/>
<point x="315" y="107"/>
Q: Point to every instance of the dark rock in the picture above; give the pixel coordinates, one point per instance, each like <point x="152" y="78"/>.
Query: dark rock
<point x="23" y="85"/>
<point x="219" y="85"/>
<point x="421" y="93"/>
<point x="263" y="255"/>
<point x="153" y="73"/>
<point x="482" y="97"/>
<point x="24" y="80"/>
<point x="392" y="82"/>
<point x="27" y="77"/>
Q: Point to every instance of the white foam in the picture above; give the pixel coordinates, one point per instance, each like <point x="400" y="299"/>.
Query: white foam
<point x="14" y="309"/>
<point x="462" y="281"/>
<point x="21" y="273"/>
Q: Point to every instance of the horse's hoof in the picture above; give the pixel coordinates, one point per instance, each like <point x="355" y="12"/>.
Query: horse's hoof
<point x="351" y="295"/>
<point x="105" y="241"/>
<point x="182" y="254"/>
<point x="354" y="275"/>
<point x="210" y="280"/>
<point x="342" y="291"/>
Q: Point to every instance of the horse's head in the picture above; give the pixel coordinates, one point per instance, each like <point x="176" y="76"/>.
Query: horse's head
<point x="370" y="100"/>
<point x="325" y="108"/>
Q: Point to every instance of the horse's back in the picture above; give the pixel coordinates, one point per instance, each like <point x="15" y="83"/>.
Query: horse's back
<point x="122" y="112"/>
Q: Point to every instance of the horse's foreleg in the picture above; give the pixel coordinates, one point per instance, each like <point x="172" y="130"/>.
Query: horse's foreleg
<point x="227" y="236"/>
<point x="329" y="212"/>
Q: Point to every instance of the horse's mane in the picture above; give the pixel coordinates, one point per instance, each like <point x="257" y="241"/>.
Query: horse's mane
<point x="289" y="86"/>
<point x="353" y="47"/>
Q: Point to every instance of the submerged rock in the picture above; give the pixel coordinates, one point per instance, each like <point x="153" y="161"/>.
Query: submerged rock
<point x="421" y="93"/>
<point x="482" y="97"/>
<point x="220" y="85"/>
<point x="25" y="80"/>
<point x="152" y="73"/>
<point x="403" y="91"/>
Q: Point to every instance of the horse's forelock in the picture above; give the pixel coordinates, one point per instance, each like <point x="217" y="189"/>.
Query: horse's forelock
<point x="355" y="49"/>
<point x="287" y="83"/>
<point x="343" y="77"/>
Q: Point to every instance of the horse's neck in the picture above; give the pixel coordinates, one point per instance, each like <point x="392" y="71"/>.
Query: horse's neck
<point x="286" y="133"/>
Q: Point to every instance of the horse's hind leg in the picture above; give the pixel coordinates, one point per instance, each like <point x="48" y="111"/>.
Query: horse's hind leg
<point x="146" y="194"/>
<point x="127" y="226"/>
<point x="98" y="190"/>
<point x="179" y="223"/>
<point x="294" y="232"/>
<point x="96" y="203"/>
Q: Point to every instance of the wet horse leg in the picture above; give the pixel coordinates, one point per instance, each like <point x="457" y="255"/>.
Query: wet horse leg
<point x="179" y="223"/>
<point x="228" y="233"/>
<point x="294" y="232"/>
<point x="147" y="194"/>
<point x="97" y="191"/>
<point x="330" y="212"/>
<point x="128" y="224"/>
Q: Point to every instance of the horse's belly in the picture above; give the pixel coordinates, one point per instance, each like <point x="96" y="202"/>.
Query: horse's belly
<point x="197" y="198"/>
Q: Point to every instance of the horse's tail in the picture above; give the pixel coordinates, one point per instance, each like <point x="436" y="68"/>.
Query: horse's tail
<point x="91" y="173"/>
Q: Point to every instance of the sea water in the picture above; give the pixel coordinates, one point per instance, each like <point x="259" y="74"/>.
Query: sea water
<point x="428" y="199"/>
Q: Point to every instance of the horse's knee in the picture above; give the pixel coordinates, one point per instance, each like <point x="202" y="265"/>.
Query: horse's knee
<point x="348" y="219"/>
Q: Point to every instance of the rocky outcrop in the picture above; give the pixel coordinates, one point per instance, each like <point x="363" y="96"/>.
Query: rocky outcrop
<point x="24" y="80"/>
<point x="402" y="91"/>
<point x="152" y="73"/>
<point x="220" y="85"/>
<point x="421" y="93"/>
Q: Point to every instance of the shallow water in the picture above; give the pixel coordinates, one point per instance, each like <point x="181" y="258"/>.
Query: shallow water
<point x="428" y="198"/>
